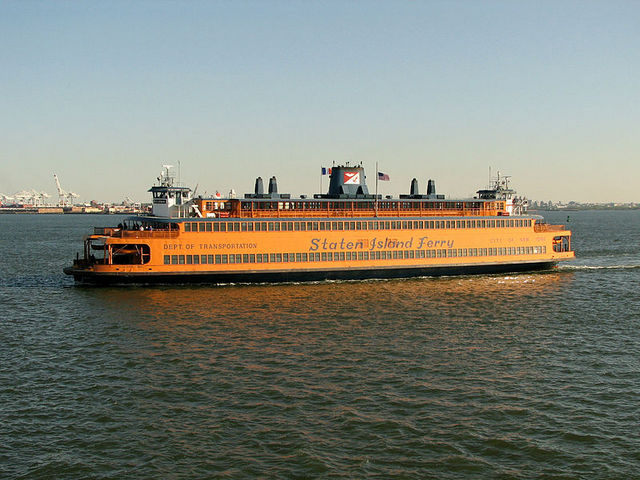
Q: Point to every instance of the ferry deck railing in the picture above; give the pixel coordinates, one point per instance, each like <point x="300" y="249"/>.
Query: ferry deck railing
<point x="130" y="234"/>
<point x="545" y="227"/>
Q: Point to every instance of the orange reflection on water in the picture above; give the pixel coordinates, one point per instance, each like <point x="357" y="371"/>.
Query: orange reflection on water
<point x="297" y="304"/>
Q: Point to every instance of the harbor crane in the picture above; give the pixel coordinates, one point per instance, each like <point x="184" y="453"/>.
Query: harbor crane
<point x="64" y="198"/>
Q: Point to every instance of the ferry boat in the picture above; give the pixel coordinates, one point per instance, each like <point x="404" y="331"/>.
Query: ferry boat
<point x="346" y="233"/>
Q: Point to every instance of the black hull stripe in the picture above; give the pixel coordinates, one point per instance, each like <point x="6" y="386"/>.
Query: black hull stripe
<point x="83" y="276"/>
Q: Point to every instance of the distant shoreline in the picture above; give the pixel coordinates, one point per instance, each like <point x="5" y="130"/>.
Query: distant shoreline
<point x="584" y="209"/>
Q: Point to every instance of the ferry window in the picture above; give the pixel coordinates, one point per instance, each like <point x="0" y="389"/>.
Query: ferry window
<point x="174" y="259"/>
<point x="285" y="257"/>
<point x="304" y="257"/>
<point x="315" y="225"/>
<point x="258" y="258"/>
<point x="303" y="226"/>
<point x="358" y="225"/>
<point x="245" y="258"/>
<point x="271" y="226"/>
<point x="223" y="227"/>
<point x="279" y="257"/>
<point x="202" y="227"/>
<point x="238" y="258"/>
<point x="196" y="259"/>
<point x="208" y="225"/>
<point x="218" y="258"/>
<point x="187" y="227"/>
<point x="210" y="258"/>
<point x="272" y="257"/>
<point x="203" y="259"/>
<point x="216" y="227"/>
<point x="296" y="226"/>
<point x="225" y="258"/>
<point x="244" y="226"/>
<point x="167" y="259"/>
<point x="323" y="225"/>
<point x="189" y="259"/>
<point x="181" y="259"/>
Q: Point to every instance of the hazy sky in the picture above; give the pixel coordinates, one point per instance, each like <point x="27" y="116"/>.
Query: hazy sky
<point x="105" y="93"/>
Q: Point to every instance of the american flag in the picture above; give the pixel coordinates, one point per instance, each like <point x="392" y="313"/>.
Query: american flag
<point x="383" y="177"/>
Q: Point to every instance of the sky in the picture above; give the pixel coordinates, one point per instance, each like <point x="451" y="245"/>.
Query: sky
<point x="105" y="93"/>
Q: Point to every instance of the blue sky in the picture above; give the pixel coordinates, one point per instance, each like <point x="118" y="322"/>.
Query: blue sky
<point x="104" y="93"/>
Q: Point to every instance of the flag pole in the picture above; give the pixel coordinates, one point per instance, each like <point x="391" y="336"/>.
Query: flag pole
<point x="375" y="202"/>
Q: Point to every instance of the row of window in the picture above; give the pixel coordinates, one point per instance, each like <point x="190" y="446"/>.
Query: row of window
<point x="352" y="225"/>
<point x="346" y="256"/>
<point x="357" y="205"/>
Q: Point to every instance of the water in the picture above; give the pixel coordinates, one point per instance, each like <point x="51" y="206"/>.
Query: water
<point x="510" y="376"/>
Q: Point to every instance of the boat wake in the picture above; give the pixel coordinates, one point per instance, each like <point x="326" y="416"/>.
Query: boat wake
<point x="598" y="267"/>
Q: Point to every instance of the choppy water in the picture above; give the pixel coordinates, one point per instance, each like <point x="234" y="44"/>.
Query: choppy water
<point x="519" y="376"/>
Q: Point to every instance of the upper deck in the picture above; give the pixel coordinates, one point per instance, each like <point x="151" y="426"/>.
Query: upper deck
<point x="351" y="208"/>
<point x="347" y="197"/>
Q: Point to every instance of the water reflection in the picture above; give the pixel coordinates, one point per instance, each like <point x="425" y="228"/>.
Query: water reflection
<point x="299" y="304"/>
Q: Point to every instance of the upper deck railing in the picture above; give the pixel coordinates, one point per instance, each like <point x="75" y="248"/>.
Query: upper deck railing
<point x="130" y="234"/>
